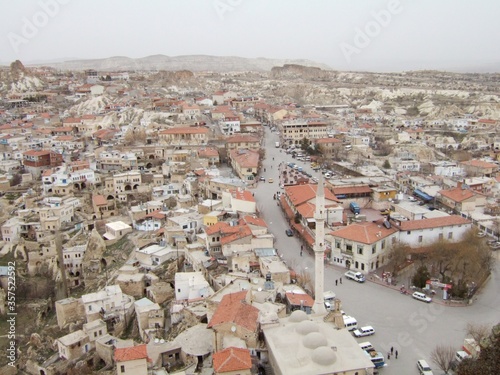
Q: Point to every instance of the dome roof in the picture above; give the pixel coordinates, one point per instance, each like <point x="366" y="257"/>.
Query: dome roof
<point x="306" y="327"/>
<point x="314" y="340"/>
<point x="323" y="356"/>
<point x="298" y="316"/>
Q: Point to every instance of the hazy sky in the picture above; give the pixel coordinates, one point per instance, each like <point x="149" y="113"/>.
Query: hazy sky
<point x="344" y="34"/>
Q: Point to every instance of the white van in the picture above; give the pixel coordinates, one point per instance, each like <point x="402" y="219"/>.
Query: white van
<point x="356" y="276"/>
<point x="350" y="323"/>
<point x="421" y="297"/>
<point x="367" y="346"/>
<point x="424" y="368"/>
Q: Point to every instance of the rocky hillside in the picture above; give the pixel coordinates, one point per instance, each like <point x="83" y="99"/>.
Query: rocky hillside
<point x="288" y="71"/>
<point x="194" y="63"/>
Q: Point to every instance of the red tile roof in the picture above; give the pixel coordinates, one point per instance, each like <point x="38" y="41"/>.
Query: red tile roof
<point x="436" y="222"/>
<point x="365" y="232"/>
<point x="242" y="232"/>
<point x="242" y="138"/>
<point x="479" y="164"/>
<point x="297" y="299"/>
<point x="247" y="159"/>
<point x="457" y="194"/>
<point x="185" y="130"/>
<point x="243" y="195"/>
<point x="36" y="153"/>
<point x="131" y="353"/>
<point x="257" y="221"/>
<point x="232" y="359"/>
<point x="299" y="194"/>
<point x="99" y="200"/>
<point x="234" y="309"/>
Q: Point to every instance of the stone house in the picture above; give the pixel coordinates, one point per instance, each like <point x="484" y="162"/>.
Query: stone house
<point x="150" y="318"/>
<point x="191" y="286"/>
<point x="69" y="310"/>
<point x="235" y="319"/>
<point x="132" y="360"/>
<point x="73" y="345"/>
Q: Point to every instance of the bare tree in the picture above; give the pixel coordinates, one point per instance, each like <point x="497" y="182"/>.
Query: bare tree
<point x="443" y="357"/>
<point x="477" y="331"/>
<point x="397" y="256"/>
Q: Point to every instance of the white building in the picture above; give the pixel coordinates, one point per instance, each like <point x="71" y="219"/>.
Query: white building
<point x="191" y="286"/>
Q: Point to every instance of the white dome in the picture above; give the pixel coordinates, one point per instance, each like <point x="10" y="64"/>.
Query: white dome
<point x="324" y="356"/>
<point x="306" y="327"/>
<point x="314" y="340"/>
<point x="298" y="316"/>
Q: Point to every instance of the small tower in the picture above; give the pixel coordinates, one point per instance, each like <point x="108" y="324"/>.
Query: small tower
<point x="319" y="249"/>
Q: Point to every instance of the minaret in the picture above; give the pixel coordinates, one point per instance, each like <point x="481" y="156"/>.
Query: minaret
<point x="319" y="249"/>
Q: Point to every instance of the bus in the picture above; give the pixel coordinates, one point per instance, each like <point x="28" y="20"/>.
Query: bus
<point x="377" y="358"/>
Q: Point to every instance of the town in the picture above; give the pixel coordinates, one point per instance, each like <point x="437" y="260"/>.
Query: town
<point x="248" y="222"/>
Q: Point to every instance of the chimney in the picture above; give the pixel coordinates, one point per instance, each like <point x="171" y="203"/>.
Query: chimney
<point x="459" y="184"/>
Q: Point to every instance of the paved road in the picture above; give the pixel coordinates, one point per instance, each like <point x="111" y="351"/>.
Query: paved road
<point x="412" y="327"/>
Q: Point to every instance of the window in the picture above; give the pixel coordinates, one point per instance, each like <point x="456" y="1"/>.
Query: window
<point x="337" y="244"/>
<point x="383" y="245"/>
<point x="440" y="236"/>
<point x="374" y="249"/>
<point x="450" y="235"/>
<point x="360" y="250"/>
<point x="348" y="247"/>
<point x="420" y="238"/>
<point x="122" y="368"/>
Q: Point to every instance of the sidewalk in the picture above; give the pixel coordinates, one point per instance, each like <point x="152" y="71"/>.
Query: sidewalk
<point x="376" y="279"/>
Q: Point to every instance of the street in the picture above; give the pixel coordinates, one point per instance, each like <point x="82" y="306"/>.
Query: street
<point x="412" y="327"/>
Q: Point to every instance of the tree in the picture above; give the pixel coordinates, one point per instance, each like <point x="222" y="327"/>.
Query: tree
<point x="487" y="362"/>
<point x="305" y="144"/>
<point x="387" y="164"/>
<point x="477" y="331"/>
<point x="443" y="357"/>
<point x="421" y="276"/>
<point x="397" y="257"/>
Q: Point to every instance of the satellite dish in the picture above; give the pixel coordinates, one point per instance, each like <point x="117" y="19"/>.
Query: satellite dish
<point x="233" y="329"/>
<point x="162" y="341"/>
<point x="259" y="289"/>
<point x="157" y="341"/>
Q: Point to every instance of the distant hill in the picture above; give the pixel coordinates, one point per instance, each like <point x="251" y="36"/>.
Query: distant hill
<point x="193" y="63"/>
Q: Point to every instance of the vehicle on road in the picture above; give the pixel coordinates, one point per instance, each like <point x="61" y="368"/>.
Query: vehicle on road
<point x="356" y="276"/>
<point x="424" y="368"/>
<point x="421" y="297"/>
<point x="350" y="322"/>
<point x="354" y="207"/>
<point x="289" y="233"/>
<point x="364" y="331"/>
<point x="270" y="180"/>
<point x="377" y="358"/>
<point x="262" y="178"/>
<point x="366" y="346"/>
<point x="277" y="144"/>
<point x="461" y="355"/>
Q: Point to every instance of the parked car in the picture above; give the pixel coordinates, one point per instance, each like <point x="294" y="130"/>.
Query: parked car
<point x="289" y="233"/>
<point x="364" y="331"/>
<point x="421" y="297"/>
<point x="270" y="180"/>
<point x="424" y="368"/>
